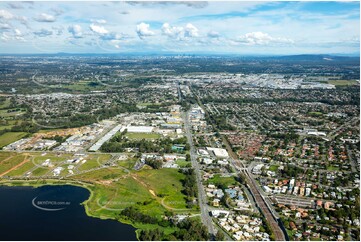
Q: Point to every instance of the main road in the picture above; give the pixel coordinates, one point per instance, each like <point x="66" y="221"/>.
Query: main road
<point x="266" y="209"/>
<point x="202" y="199"/>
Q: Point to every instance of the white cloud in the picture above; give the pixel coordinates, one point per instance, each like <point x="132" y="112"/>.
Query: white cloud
<point x="99" y="21"/>
<point x="5" y="37"/>
<point x="213" y="34"/>
<point x="43" y="33"/>
<point x="115" y="43"/>
<point x="5" y="14"/>
<point x="44" y="17"/>
<point x="5" y="26"/>
<point x="111" y="36"/>
<point x="76" y="31"/>
<point x="190" y="31"/>
<point x="172" y="31"/>
<point x="15" y="5"/>
<point x="18" y="35"/>
<point x="180" y="33"/>
<point x="15" y="34"/>
<point x="124" y="12"/>
<point x="59" y="30"/>
<point x="192" y="4"/>
<point x="144" y="31"/>
<point x="260" y="38"/>
<point x="98" y="29"/>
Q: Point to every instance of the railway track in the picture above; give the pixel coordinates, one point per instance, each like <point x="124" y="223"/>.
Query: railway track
<point x="271" y="219"/>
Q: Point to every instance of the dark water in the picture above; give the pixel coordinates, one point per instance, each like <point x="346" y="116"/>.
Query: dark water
<point x="59" y="216"/>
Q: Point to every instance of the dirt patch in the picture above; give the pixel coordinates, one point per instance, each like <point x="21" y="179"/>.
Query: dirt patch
<point x="15" y="167"/>
<point x="152" y="192"/>
<point x="105" y="182"/>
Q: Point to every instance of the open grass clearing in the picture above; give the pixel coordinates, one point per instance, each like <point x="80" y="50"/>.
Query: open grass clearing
<point x="342" y="82"/>
<point x="104" y="175"/>
<point x="40" y="171"/>
<point x="273" y="168"/>
<point x="128" y="164"/>
<point x="6" y="155"/>
<point x="8" y="163"/>
<point x="218" y="180"/>
<point x="10" y="113"/>
<point x="10" y="137"/>
<point x="22" y="169"/>
<point x="170" y="189"/>
<point x="183" y="163"/>
<point x="93" y="161"/>
<point x="5" y="104"/>
<point x="142" y="135"/>
<point x="54" y="159"/>
<point x="332" y="168"/>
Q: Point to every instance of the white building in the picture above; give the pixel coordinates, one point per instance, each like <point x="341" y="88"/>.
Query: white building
<point x="218" y="152"/>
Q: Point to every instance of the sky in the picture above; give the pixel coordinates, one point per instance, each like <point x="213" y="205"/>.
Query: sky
<point x="236" y="27"/>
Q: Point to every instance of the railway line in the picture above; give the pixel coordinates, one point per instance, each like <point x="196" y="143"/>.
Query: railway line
<point x="266" y="211"/>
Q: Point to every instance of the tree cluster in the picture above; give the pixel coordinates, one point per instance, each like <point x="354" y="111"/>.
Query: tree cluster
<point x="190" y="187"/>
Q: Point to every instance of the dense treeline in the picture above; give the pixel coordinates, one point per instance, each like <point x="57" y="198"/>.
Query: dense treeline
<point x="69" y="120"/>
<point x="136" y="216"/>
<point x="190" y="186"/>
<point x="285" y="136"/>
<point x="25" y="127"/>
<point x="220" y="122"/>
<point x="155" y="164"/>
<point x="187" y="230"/>
<point x="291" y="171"/>
<point x="353" y="100"/>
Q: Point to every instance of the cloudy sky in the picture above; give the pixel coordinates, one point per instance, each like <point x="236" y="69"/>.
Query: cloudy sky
<point x="242" y="27"/>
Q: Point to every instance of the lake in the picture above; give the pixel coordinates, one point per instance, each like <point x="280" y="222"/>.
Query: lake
<point x="54" y="213"/>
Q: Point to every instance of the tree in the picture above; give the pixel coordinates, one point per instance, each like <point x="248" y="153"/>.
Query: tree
<point x="219" y="236"/>
<point x="188" y="157"/>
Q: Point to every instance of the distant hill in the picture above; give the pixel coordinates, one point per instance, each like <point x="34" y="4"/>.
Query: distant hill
<point x="318" y="58"/>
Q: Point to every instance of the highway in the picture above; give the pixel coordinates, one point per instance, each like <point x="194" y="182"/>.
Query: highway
<point x="202" y="199"/>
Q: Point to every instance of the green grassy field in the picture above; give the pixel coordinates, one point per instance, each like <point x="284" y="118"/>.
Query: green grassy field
<point x="5" y="155"/>
<point x="93" y="161"/>
<point x="2" y="127"/>
<point x="315" y="114"/>
<point x="183" y="163"/>
<point x="128" y="164"/>
<point x="332" y="168"/>
<point x="8" y="124"/>
<point x="22" y="169"/>
<point x="10" y="137"/>
<point x="40" y="171"/>
<point x="273" y="168"/>
<point x="169" y="189"/>
<point x="342" y="82"/>
<point x="5" y="113"/>
<point x="148" y="104"/>
<point x="142" y="135"/>
<point x="10" y="161"/>
<point x="5" y="104"/>
<point x="116" y="190"/>
<point x="222" y="181"/>
<point x="54" y="159"/>
<point x="83" y="86"/>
